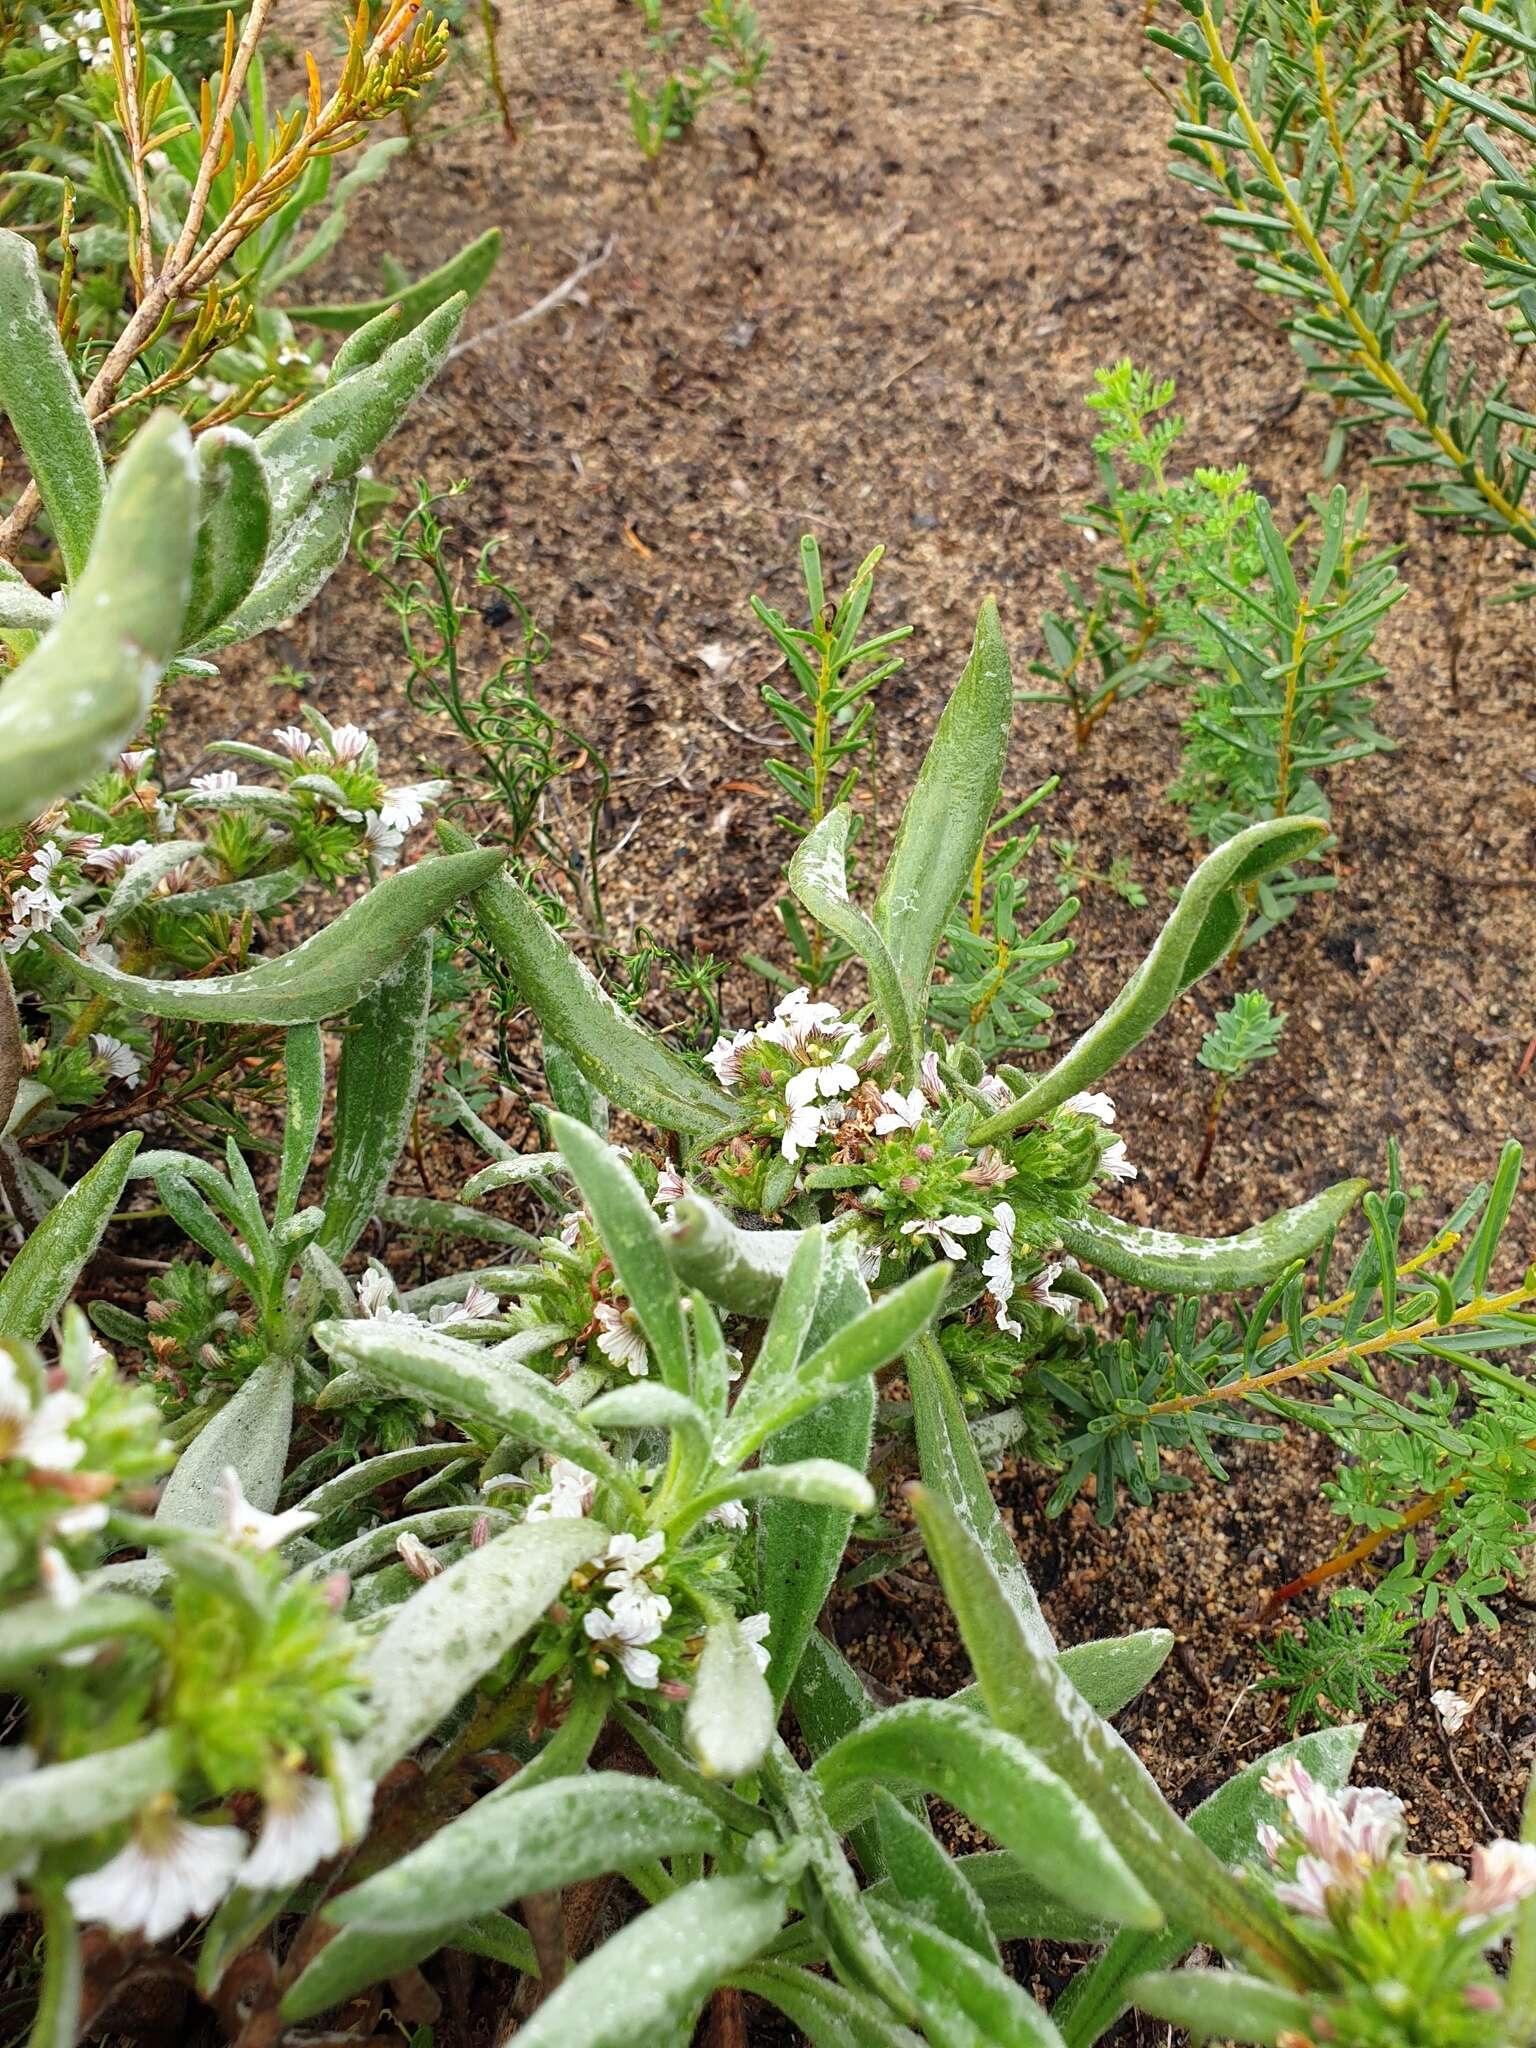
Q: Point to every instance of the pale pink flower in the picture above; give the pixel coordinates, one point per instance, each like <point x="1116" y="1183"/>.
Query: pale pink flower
<point x="929" y="1078"/>
<point x="725" y="1057"/>
<point x="1503" y="1873"/>
<point x="219" y="783"/>
<point x="348" y="743"/>
<point x="293" y="741"/>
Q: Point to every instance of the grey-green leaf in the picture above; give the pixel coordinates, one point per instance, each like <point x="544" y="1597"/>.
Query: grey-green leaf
<point x="39" y="396"/>
<point x="377" y="1082"/>
<point x="87" y="686"/>
<point x="459" y="1624"/>
<point x="459" y="1379"/>
<point x="619" y="1057"/>
<point x="944" y="1748"/>
<point x="818" y="874"/>
<point x="651" y="1978"/>
<point x="464" y="272"/>
<point x="1206" y="918"/>
<point x="516" y="1841"/>
<point x="730" y="1717"/>
<point x="234" y="527"/>
<point x="1164" y="1261"/>
<point x="944" y="821"/>
<point x="1225" y="2002"/>
<point x="250" y="1432"/>
<point x="323" y="977"/>
<point x="40" y="1278"/>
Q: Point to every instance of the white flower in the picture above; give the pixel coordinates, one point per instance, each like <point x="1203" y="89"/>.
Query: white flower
<point x="134" y="761"/>
<point x="1084" y="1104"/>
<point x="376" y="1293"/>
<point x="402" y="810"/>
<point x="622" y="1340"/>
<point x="382" y="840"/>
<point x="802" y="1130"/>
<point x="998" y="1267"/>
<point x="348" y="743"/>
<point x="994" y="1090"/>
<point x="725" y="1057"/>
<point x="300" y="1828"/>
<point x="218" y="783"/>
<point x="169" y="1872"/>
<point x="1503" y="1873"/>
<point x="38" y="1436"/>
<point x="802" y="1088"/>
<point x="120" y="1060"/>
<point x="570" y="1494"/>
<point x="250" y="1526"/>
<point x="670" y="1187"/>
<point x="32" y="911"/>
<point x="631" y="1557"/>
<point x="1453" y="1710"/>
<point x="870" y="1259"/>
<point x="63" y="1587"/>
<point x="570" y="1229"/>
<point x="293" y="741"/>
<point x="1114" y="1162"/>
<point x="902" y="1112"/>
<point x="837" y="1078"/>
<point x="946" y="1229"/>
<point x="755" y="1628"/>
<point x="1040" y="1287"/>
<point x="638" y="1606"/>
<point x="731" y="1514"/>
<point x="929" y="1077"/>
<point x="621" y="1634"/>
<point x="44" y="861"/>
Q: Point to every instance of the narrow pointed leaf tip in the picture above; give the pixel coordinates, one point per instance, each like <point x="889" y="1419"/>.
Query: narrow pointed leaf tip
<point x="944" y="824"/>
<point x="1204" y="924"/>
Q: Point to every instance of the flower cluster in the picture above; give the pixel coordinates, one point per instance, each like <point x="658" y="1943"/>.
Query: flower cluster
<point x="797" y="1070"/>
<point x="329" y="772"/>
<point x="809" y="1082"/>
<point x="1405" y="1939"/>
<point x="85" y="30"/>
<point x="635" y="1613"/>
<point x="378" y="1298"/>
<point x="258" y="1683"/>
<point x="72" y="1438"/>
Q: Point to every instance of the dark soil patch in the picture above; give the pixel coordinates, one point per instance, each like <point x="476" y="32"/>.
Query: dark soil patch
<point x="871" y="311"/>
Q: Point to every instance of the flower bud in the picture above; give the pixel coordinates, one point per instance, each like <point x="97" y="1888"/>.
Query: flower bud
<point x="417" y="1559"/>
